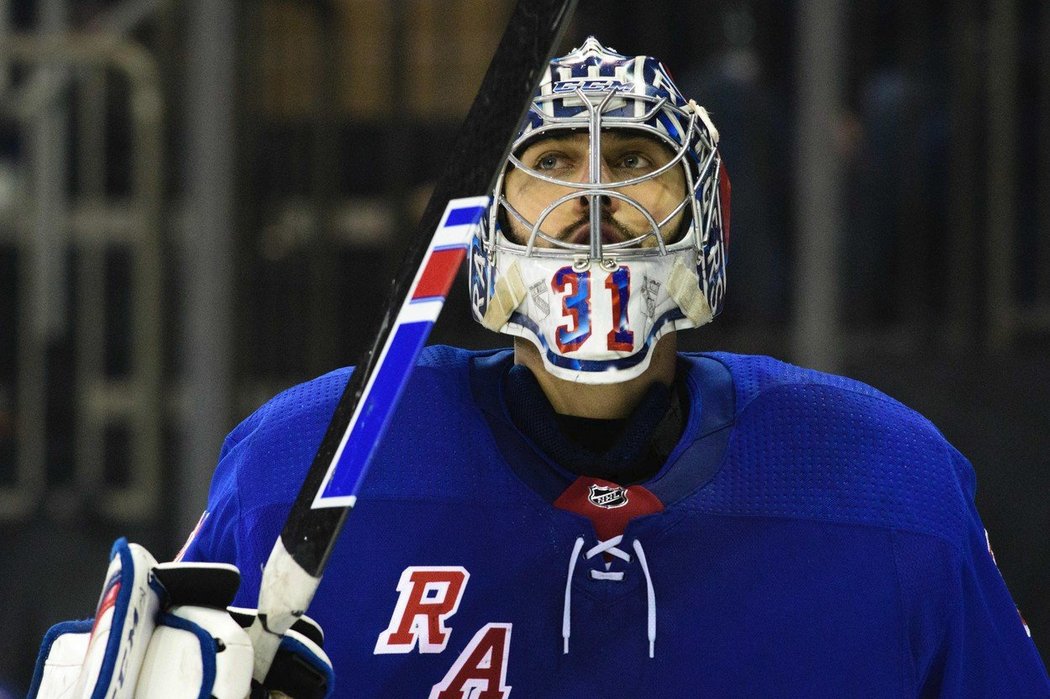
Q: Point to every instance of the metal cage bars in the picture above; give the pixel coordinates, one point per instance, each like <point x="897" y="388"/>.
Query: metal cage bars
<point x="45" y="224"/>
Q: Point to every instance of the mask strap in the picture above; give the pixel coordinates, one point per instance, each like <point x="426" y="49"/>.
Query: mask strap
<point x="683" y="285"/>
<point x="510" y="292"/>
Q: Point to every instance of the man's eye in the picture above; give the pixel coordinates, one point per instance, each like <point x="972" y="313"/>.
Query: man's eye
<point x="634" y="161"/>
<point x="548" y="162"/>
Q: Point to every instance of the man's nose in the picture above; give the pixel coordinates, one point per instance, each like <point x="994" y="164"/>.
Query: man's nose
<point x="609" y="204"/>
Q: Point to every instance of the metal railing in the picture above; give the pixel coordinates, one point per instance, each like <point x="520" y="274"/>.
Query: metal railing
<point x="993" y="296"/>
<point x="49" y="222"/>
<point x="1008" y="318"/>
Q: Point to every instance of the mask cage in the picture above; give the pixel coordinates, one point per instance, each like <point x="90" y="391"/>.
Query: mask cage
<point x="695" y="153"/>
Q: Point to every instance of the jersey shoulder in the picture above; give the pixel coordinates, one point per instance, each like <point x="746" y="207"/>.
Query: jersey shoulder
<point x="811" y="445"/>
<point x="267" y="455"/>
<point x="760" y="381"/>
<point x="261" y="467"/>
<point x="264" y="459"/>
<point x="756" y="375"/>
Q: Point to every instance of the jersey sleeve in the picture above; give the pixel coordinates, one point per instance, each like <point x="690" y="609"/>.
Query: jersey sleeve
<point x="261" y="468"/>
<point x="965" y="635"/>
<point x="216" y="535"/>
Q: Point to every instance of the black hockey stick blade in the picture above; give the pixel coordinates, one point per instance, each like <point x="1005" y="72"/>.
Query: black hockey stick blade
<point x="295" y="565"/>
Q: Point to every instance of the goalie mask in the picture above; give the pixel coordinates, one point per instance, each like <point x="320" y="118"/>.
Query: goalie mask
<point x="596" y="295"/>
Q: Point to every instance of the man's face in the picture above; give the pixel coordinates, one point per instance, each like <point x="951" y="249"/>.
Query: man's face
<point x="566" y="157"/>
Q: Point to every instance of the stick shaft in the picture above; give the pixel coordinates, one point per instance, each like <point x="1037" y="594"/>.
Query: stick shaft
<point x="293" y="571"/>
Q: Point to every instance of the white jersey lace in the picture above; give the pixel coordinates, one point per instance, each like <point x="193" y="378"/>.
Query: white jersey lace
<point x="610" y="547"/>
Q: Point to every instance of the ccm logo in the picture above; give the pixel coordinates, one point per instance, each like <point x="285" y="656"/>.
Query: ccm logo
<point x="589" y="85"/>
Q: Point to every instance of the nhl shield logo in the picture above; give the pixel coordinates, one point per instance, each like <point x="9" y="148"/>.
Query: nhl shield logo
<point x="606" y="497"/>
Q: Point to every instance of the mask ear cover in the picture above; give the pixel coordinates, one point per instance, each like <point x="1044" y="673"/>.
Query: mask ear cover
<point x="509" y="293"/>
<point x="683" y="286"/>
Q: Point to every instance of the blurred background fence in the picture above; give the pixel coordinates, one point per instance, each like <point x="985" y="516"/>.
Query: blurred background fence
<point x="202" y="202"/>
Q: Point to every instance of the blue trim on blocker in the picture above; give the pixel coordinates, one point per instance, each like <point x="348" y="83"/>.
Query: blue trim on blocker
<point x="61" y="629"/>
<point x="158" y="589"/>
<point x="595" y="365"/>
<point x="208" y="666"/>
<point x="290" y="644"/>
<point x="377" y="409"/>
<point x="120" y="613"/>
<point x="464" y="216"/>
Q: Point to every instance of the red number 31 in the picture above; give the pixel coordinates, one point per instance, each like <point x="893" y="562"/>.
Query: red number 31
<point x="576" y="306"/>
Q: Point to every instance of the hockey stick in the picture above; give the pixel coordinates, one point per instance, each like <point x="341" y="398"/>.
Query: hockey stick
<point x="293" y="570"/>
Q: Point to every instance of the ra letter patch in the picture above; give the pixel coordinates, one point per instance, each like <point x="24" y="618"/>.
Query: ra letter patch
<point x="428" y="596"/>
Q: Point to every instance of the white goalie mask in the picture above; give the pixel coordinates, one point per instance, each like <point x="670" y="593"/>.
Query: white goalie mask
<point x="596" y="307"/>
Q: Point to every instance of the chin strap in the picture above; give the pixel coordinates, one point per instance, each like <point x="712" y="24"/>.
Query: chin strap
<point x="510" y="292"/>
<point x="684" y="287"/>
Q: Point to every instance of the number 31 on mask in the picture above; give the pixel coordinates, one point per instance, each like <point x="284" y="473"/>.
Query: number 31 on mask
<point x="576" y="306"/>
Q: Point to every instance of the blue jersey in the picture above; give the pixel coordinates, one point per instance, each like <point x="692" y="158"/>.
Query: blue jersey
<point x="808" y="536"/>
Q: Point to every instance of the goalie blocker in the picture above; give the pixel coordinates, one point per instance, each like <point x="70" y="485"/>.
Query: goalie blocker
<point x="165" y="630"/>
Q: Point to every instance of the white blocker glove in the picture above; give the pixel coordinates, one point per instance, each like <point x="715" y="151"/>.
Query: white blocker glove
<point x="165" y="631"/>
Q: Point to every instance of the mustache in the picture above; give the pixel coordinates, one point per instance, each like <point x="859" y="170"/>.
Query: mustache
<point x="624" y="233"/>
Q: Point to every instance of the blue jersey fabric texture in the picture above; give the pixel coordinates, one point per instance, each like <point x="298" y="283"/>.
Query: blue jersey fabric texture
<point x="814" y="538"/>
